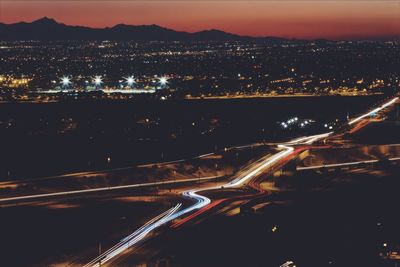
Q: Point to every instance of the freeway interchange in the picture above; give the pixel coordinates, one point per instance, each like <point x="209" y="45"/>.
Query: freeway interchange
<point x="202" y="203"/>
<point x="203" y="199"/>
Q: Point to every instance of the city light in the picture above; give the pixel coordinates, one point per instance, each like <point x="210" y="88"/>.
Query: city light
<point x="130" y="81"/>
<point x="296" y="122"/>
<point x="163" y="81"/>
<point x="98" y="80"/>
<point x="142" y="133"/>
<point x="66" y="81"/>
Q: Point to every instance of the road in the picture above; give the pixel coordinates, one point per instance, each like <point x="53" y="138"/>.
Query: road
<point x="205" y="198"/>
<point x="202" y="203"/>
<point x="344" y="164"/>
<point x="106" y="189"/>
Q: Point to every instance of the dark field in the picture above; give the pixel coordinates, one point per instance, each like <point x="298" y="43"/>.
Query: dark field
<point x="46" y="139"/>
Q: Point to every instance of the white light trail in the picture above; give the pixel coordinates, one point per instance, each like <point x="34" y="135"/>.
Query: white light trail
<point x="101" y="189"/>
<point x="262" y="166"/>
<point x="201" y="201"/>
<point x="308" y="139"/>
<point x="315" y="138"/>
<point x="335" y="165"/>
<point x="376" y="110"/>
<point x="133" y="238"/>
<point x="343" y="164"/>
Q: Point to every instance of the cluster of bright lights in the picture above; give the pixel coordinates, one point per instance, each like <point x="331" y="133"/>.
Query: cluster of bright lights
<point x="130" y="81"/>
<point x="305" y="123"/>
<point x="286" y="124"/>
<point x="330" y="127"/>
<point x="296" y="121"/>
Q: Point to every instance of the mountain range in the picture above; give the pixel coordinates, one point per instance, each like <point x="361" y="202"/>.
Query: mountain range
<point x="49" y="29"/>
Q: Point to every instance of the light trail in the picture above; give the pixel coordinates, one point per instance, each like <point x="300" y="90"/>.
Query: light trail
<point x="203" y="201"/>
<point x="262" y="166"/>
<point x="66" y="175"/>
<point x="317" y="137"/>
<point x="288" y="264"/>
<point x="133" y="238"/>
<point x="376" y="110"/>
<point x="298" y="140"/>
<point x="102" y="189"/>
<point x="200" y="202"/>
<point x="343" y="164"/>
<point x="336" y="165"/>
<point x="141" y="233"/>
<point x="308" y="139"/>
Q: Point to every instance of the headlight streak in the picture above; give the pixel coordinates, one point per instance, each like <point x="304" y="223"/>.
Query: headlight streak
<point x="317" y="137"/>
<point x="134" y="237"/>
<point x="268" y="163"/>
<point x="104" y="189"/>
<point x="201" y="201"/>
<point x="391" y="102"/>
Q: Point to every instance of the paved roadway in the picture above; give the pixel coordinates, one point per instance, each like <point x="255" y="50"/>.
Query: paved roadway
<point x="180" y="214"/>
<point x="202" y="203"/>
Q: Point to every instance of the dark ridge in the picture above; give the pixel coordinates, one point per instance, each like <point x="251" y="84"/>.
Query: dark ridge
<point x="48" y="29"/>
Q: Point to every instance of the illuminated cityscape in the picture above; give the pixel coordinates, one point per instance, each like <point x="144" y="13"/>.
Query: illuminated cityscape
<point x="197" y="70"/>
<point x="235" y="138"/>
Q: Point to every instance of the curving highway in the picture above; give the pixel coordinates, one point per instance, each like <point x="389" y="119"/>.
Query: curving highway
<point x="202" y="203"/>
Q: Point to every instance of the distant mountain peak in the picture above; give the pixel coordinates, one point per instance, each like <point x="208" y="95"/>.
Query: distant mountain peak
<point x="45" y="20"/>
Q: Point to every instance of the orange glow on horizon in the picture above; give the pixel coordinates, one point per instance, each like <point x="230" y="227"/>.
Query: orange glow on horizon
<point x="292" y="19"/>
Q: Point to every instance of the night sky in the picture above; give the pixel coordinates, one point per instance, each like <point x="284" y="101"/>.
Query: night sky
<point x="340" y="19"/>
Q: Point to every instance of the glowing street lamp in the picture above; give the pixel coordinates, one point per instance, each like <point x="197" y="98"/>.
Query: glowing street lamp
<point x="98" y="81"/>
<point x="65" y="81"/>
<point x="130" y="81"/>
<point x="163" y="81"/>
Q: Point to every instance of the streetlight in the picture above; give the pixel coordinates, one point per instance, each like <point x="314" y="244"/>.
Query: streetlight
<point x="65" y="81"/>
<point x="97" y="81"/>
<point x="130" y="81"/>
<point x="163" y="82"/>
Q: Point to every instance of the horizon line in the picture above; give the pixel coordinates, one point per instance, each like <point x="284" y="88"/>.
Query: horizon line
<point x="290" y="38"/>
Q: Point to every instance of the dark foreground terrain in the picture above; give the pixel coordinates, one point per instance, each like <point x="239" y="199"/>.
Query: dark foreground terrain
<point x="45" y="139"/>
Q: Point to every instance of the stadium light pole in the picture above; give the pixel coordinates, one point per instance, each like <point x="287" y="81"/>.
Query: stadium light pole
<point x="130" y="81"/>
<point x="163" y="82"/>
<point x="65" y="81"/>
<point x="98" y="80"/>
